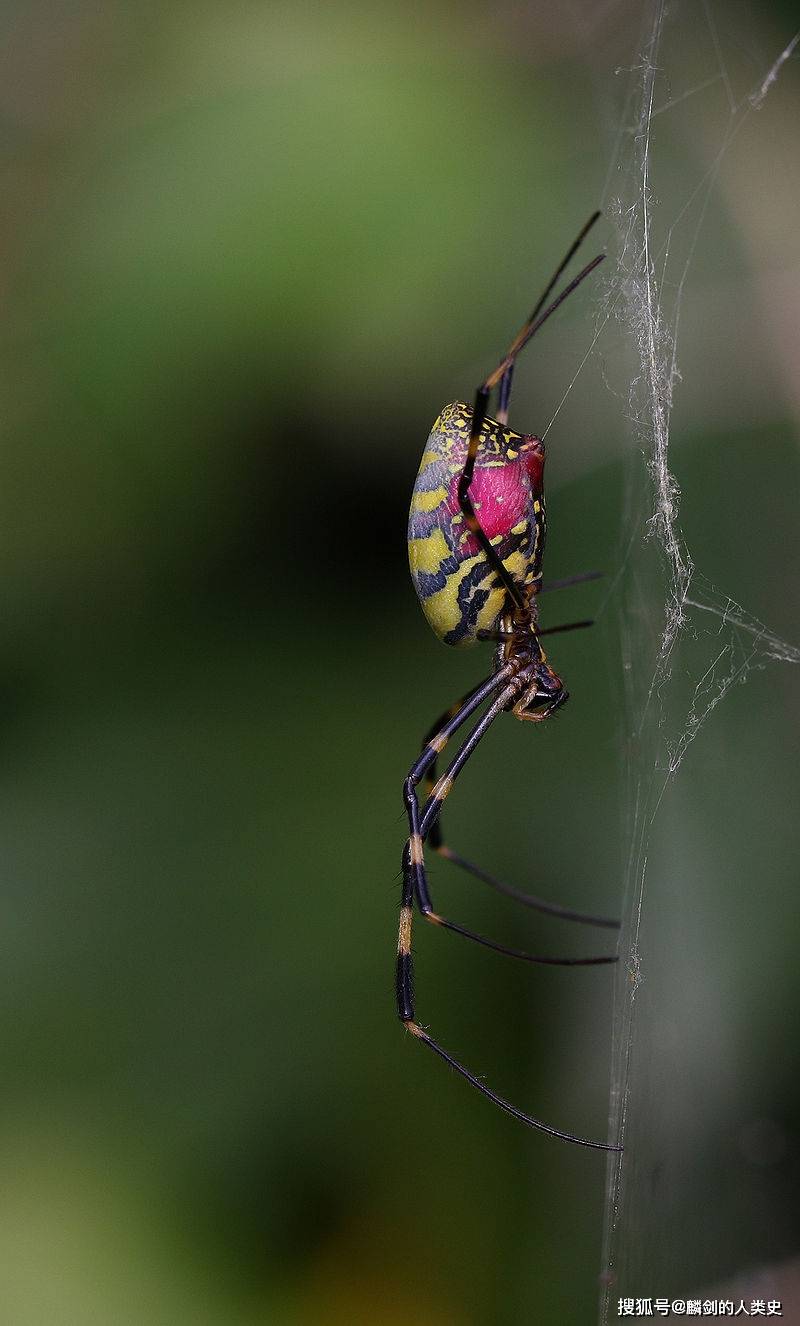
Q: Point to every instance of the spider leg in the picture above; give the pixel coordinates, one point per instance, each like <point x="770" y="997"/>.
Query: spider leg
<point x="413" y="874"/>
<point x="421" y="1034"/>
<point x="570" y="580"/>
<point x="566" y="626"/>
<point x="505" y="385"/>
<point x="548" y="630"/>
<point x="435" y="834"/>
<point x="421" y="824"/>
<point x="527" y="899"/>
<point x="515" y="593"/>
<point x="435" y="841"/>
<point x="532" y="325"/>
<point x="412" y="851"/>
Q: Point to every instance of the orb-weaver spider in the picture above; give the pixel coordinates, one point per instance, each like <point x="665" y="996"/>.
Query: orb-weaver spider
<point x="475" y="539"/>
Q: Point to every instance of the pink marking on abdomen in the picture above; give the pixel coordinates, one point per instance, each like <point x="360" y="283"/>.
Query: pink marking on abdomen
<point x="501" y="496"/>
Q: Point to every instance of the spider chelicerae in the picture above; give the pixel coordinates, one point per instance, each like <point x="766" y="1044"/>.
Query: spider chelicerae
<point x="476" y="539"/>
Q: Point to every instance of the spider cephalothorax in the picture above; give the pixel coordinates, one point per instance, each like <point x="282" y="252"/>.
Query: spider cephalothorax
<point x="476" y="538"/>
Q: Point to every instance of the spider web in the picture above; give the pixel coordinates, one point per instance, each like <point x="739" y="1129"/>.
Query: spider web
<point x="685" y="644"/>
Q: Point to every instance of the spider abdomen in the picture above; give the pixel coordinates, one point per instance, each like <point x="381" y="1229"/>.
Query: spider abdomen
<point x="452" y="576"/>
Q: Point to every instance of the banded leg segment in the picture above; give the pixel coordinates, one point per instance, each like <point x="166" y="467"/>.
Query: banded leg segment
<point x="414" y="881"/>
<point x="412" y="852"/>
<point x="431" y="740"/>
<point x="423" y="825"/>
<point x="435" y="841"/>
<point x="404" y="974"/>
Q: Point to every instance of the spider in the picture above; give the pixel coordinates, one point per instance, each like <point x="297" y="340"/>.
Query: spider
<point x="476" y="538"/>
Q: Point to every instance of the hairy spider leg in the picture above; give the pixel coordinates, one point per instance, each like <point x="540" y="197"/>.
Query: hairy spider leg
<point x="414" y="883"/>
<point x="505" y="385"/>
<point x="434" y="840"/>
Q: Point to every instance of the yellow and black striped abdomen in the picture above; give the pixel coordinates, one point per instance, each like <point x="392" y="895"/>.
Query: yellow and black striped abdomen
<point x="451" y="575"/>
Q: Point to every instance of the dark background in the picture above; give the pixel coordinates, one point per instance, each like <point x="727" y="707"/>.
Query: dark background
<point x="250" y="251"/>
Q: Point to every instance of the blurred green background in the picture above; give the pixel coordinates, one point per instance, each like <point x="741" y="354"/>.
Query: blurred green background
<point x="250" y="251"/>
